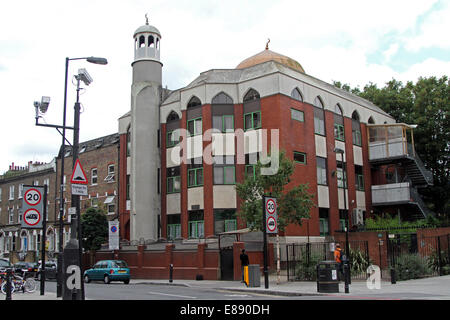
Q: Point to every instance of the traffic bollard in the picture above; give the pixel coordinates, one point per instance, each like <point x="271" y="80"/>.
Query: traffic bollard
<point x="171" y="273"/>
<point x="393" y="276"/>
<point x="346" y="276"/>
<point x="8" y="284"/>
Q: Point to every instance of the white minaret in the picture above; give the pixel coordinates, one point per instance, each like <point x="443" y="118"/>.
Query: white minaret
<point x="145" y="156"/>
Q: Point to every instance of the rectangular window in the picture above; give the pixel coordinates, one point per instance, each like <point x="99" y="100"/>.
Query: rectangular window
<point x="111" y="209"/>
<point x="10" y="215"/>
<point x="321" y="171"/>
<point x="223" y="123"/>
<point x="195" y="126"/>
<point x="252" y="120"/>
<point x="20" y="195"/>
<point x="250" y="171"/>
<point x="94" y="176"/>
<point x="195" y="177"/>
<point x="173" y="231"/>
<point x="341" y="175"/>
<point x="297" y="115"/>
<point x="224" y="220"/>
<point x="359" y="178"/>
<point x="128" y="187"/>
<point x="319" y="121"/>
<point x="342" y="219"/>
<point x="196" y="224"/>
<point x="94" y="202"/>
<point x="356" y="133"/>
<point x="339" y="132"/>
<point x="110" y="177"/>
<point x="173" y="138"/>
<point x="300" y="157"/>
<point x="324" y="222"/>
<point x="11" y="192"/>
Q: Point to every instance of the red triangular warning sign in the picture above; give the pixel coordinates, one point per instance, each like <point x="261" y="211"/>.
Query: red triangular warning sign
<point x="78" y="175"/>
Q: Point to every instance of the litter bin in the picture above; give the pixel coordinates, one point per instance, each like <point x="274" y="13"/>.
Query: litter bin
<point x="254" y="275"/>
<point x="327" y="276"/>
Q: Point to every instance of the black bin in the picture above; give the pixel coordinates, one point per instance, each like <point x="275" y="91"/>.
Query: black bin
<point x="328" y="277"/>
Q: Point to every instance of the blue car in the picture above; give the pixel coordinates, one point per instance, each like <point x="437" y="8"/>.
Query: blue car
<point x="108" y="270"/>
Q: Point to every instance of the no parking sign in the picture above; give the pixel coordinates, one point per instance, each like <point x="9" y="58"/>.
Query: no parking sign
<point x="113" y="235"/>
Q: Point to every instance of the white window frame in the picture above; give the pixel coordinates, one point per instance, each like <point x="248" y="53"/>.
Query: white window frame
<point x="11" y="192"/>
<point x="94" y="176"/>
<point x="111" y="174"/>
<point x="20" y="195"/>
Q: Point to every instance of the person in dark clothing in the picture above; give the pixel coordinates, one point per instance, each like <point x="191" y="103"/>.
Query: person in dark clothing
<point x="244" y="262"/>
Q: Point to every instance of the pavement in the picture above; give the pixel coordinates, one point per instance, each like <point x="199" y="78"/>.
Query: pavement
<point x="434" y="288"/>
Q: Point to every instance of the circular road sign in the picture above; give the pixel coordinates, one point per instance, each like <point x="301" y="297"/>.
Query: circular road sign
<point x="32" y="197"/>
<point x="271" y="224"/>
<point x="113" y="229"/>
<point x="32" y="217"/>
<point x="271" y="206"/>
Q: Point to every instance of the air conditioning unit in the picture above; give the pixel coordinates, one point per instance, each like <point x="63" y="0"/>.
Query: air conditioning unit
<point x="358" y="217"/>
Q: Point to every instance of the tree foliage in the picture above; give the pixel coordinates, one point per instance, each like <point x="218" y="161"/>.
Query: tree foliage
<point x="293" y="203"/>
<point x="94" y="227"/>
<point x="427" y="104"/>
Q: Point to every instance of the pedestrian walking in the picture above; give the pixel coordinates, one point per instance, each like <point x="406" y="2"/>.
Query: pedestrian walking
<point x="244" y="262"/>
<point x="338" y="257"/>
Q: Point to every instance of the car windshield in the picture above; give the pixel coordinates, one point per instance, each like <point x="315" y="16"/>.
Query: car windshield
<point x="119" y="264"/>
<point x="4" y="263"/>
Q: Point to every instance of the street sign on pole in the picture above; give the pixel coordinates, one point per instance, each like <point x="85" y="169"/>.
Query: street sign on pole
<point x="271" y="216"/>
<point x="79" y="189"/>
<point x="78" y="175"/>
<point x="113" y="235"/>
<point x="32" y="207"/>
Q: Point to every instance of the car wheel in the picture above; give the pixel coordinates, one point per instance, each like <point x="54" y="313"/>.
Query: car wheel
<point x="126" y="281"/>
<point x="86" y="279"/>
<point x="106" y="279"/>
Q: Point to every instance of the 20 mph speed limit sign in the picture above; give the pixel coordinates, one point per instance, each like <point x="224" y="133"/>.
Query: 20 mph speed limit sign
<point x="32" y="207"/>
<point x="271" y="217"/>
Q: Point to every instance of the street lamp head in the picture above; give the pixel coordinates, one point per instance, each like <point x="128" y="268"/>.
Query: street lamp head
<point x="97" y="60"/>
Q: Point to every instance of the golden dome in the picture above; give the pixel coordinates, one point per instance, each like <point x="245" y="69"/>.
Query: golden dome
<point x="268" y="55"/>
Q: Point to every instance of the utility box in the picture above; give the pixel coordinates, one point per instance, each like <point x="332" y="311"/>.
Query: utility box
<point x="254" y="275"/>
<point x="328" y="277"/>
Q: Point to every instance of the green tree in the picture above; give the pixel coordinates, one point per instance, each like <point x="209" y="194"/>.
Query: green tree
<point x="94" y="227"/>
<point x="293" y="203"/>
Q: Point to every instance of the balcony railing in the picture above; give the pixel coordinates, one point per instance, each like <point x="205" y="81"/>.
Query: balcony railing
<point x="393" y="193"/>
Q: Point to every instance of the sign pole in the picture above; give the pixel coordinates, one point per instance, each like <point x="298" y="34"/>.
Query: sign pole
<point x="266" y="272"/>
<point x="44" y="227"/>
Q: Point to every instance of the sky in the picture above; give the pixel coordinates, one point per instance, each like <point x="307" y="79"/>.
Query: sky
<point x="351" y="41"/>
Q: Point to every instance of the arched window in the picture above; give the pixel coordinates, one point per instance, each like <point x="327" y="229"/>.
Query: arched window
<point x="141" y="41"/>
<point x="222" y="110"/>
<point x="252" y="110"/>
<point x="371" y="121"/>
<point x="194" y="102"/>
<point x="129" y="142"/>
<point x="296" y="94"/>
<point x="194" y="116"/>
<point x="251" y="95"/>
<point x="173" y="116"/>
<point x="319" y="117"/>
<point x="172" y="134"/>
<point x="318" y="102"/>
<point x="151" y="41"/>
<point x="338" y="123"/>
<point x="356" y="129"/>
<point x="222" y="98"/>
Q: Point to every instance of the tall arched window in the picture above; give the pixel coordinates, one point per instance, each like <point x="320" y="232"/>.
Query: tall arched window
<point x="222" y="110"/>
<point x="172" y="134"/>
<point x="129" y="142"/>
<point x="296" y="94"/>
<point x="338" y="123"/>
<point x="194" y="116"/>
<point x="151" y="41"/>
<point x="356" y="129"/>
<point x="252" y="110"/>
<point x="319" y="117"/>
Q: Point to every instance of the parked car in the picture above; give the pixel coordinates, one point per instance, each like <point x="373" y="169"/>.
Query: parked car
<point x="108" y="270"/>
<point x="50" y="270"/>
<point x="29" y="269"/>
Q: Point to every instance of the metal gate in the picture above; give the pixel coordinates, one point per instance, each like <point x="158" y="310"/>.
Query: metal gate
<point x="226" y="263"/>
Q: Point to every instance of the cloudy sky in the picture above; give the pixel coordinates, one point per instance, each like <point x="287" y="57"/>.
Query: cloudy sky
<point x="352" y="41"/>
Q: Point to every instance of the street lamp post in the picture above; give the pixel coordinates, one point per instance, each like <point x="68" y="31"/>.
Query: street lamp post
<point x="347" y="245"/>
<point x="45" y="102"/>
